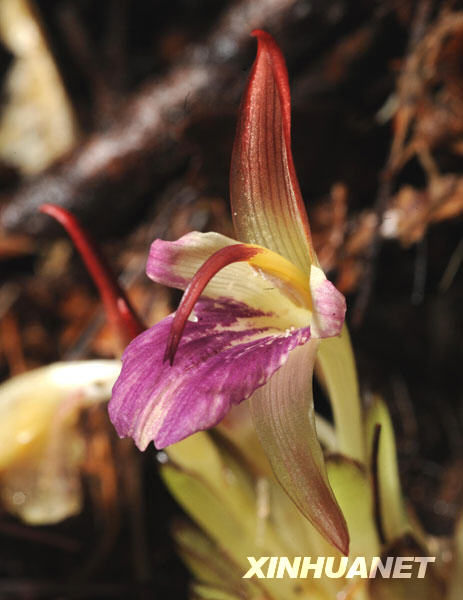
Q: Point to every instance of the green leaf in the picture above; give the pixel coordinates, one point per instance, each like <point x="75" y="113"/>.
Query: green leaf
<point x="391" y="504"/>
<point x="208" y="563"/>
<point x="224" y="503"/>
<point x="353" y="491"/>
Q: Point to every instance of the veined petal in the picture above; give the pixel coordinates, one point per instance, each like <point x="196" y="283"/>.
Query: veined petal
<point x="229" y="351"/>
<point x="283" y="415"/>
<point x="282" y="272"/>
<point x="175" y="264"/>
<point x="266" y="201"/>
<point x="216" y="266"/>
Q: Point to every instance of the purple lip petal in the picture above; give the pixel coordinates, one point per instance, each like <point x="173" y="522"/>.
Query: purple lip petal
<point x="213" y="265"/>
<point x="223" y="358"/>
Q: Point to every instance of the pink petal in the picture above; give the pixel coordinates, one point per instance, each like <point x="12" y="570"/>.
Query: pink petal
<point x="283" y="415"/>
<point x="176" y="263"/>
<point x="329" y="306"/>
<point x="266" y="201"/>
<point x="230" y="351"/>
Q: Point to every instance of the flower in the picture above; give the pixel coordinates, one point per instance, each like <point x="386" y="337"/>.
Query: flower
<point x="42" y="448"/>
<point x="259" y="306"/>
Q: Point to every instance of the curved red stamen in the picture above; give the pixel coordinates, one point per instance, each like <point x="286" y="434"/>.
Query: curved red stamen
<point x="119" y="311"/>
<point x="215" y="263"/>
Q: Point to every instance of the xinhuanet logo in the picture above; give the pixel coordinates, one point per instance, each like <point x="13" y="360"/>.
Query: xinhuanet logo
<point x="336" y="567"/>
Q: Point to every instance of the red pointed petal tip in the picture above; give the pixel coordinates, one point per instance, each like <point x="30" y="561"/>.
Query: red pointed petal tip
<point x="266" y="43"/>
<point x="117" y="306"/>
<point x="343" y="542"/>
<point x="214" y="264"/>
<point x="266" y="200"/>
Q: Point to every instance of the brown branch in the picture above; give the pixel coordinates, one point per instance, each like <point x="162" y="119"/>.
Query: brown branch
<point x="117" y="167"/>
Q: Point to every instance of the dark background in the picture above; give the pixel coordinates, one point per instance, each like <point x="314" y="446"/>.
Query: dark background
<point x="345" y="60"/>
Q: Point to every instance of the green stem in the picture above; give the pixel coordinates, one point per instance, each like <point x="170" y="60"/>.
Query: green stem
<point x="336" y="359"/>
